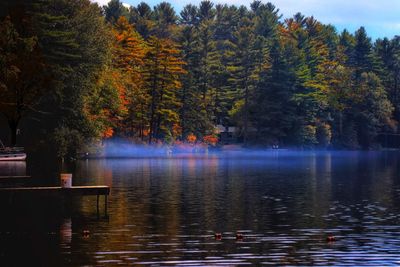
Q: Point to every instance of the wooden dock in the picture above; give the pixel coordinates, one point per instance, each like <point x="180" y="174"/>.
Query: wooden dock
<point x="99" y="190"/>
<point x="14" y="179"/>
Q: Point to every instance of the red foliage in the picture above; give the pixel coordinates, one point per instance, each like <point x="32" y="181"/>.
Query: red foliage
<point x="178" y="142"/>
<point x="210" y="140"/>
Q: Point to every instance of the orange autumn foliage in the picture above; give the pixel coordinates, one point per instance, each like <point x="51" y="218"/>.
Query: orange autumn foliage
<point x="191" y="138"/>
<point x="176" y="130"/>
<point x="210" y="140"/>
<point x="108" y="133"/>
<point x="146" y="132"/>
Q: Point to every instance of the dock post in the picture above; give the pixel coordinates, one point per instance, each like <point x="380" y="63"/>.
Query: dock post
<point x="98" y="205"/>
<point x="105" y="205"/>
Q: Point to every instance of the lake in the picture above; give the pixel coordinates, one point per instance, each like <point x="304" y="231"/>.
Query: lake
<point x="166" y="211"/>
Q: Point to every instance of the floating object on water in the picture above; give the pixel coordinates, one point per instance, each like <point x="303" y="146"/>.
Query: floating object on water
<point x="218" y="236"/>
<point x="239" y="236"/>
<point x="331" y="238"/>
<point x="85" y="233"/>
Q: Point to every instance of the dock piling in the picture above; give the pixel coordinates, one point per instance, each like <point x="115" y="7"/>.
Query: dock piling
<point x="59" y="191"/>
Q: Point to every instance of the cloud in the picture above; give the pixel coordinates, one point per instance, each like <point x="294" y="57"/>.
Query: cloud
<point x="101" y="2"/>
<point x="105" y="2"/>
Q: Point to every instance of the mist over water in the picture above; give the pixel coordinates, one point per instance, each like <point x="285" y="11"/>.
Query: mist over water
<point x="123" y="149"/>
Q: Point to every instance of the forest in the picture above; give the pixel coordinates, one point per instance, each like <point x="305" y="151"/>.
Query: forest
<point x="73" y="72"/>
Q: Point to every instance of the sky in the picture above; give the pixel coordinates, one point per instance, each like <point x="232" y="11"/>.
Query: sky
<point x="381" y="18"/>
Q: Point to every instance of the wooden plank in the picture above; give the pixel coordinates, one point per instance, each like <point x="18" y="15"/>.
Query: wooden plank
<point x="45" y="191"/>
<point x="51" y="190"/>
<point x="14" y="176"/>
<point x="14" y="179"/>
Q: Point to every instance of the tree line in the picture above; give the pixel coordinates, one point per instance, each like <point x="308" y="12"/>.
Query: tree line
<point x="79" y="72"/>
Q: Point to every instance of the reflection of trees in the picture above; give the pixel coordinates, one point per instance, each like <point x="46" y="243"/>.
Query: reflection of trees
<point x="12" y="168"/>
<point x="305" y="187"/>
<point x="144" y="200"/>
<point x="320" y="186"/>
<point x="383" y="175"/>
<point x="367" y="176"/>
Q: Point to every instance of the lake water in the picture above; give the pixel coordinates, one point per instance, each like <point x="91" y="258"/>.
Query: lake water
<point x="166" y="211"/>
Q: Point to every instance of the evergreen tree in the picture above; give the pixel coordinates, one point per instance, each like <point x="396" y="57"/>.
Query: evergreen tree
<point x="243" y="70"/>
<point x="166" y="19"/>
<point x="142" y="18"/>
<point x="114" y="10"/>
<point x="226" y="21"/>
<point x="372" y="109"/>
<point x="362" y="58"/>
<point x="192" y="118"/>
<point x="204" y="74"/>
<point x="388" y="51"/>
<point x="163" y="68"/>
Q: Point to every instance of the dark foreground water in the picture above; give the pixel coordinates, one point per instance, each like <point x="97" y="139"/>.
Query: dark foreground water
<point x="165" y="211"/>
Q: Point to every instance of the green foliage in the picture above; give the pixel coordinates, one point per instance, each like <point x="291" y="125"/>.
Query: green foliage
<point x="162" y="70"/>
<point x="75" y="45"/>
<point x="67" y="141"/>
<point x="114" y="10"/>
<point x="323" y="135"/>
<point x="373" y="110"/>
<point x="308" y="136"/>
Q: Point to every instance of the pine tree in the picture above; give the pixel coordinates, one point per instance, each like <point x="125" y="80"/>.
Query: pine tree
<point x="190" y="112"/>
<point x="362" y="60"/>
<point x="204" y="75"/>
<point x="372" y="109"/>
<point x="163" y="70"/>
<point x="226" y="20"/>
<point x="388" y="51"/>
<point x="114" y="10"/>
<point x="166" y="20"/>
<point x="242" y="70"/>
<point x="142" y="18"/>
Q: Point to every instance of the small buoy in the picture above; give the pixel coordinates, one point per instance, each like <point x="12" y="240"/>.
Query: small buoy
<point x="218" y="236"/>
<point x="331" y="238"/>
<point x="239" y="236"/>
<point x="86" y="232"/>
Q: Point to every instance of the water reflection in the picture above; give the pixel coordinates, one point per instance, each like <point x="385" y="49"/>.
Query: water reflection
<point x="66" y="233"/>
<point x="166" y="211"/>
<point x="12" y="168"/>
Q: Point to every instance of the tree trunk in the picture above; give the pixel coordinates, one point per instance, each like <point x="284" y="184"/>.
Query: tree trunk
<point x="153" y="108"/>
<point x="340" y="125"/>
<point x="246" y="116"/>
